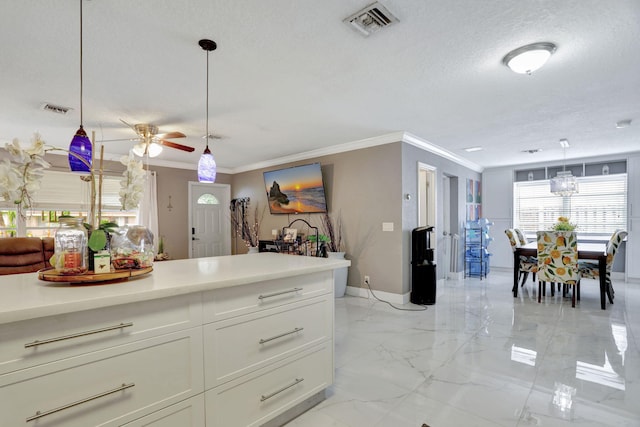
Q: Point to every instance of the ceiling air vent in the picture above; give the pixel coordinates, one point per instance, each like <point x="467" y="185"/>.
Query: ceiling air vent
<point x="371" y="19"/>
<point x="55" y="108"/>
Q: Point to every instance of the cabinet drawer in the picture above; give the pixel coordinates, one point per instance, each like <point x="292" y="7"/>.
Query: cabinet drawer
<point x="253" y="400"/>
<point x="240" y="345"/>
<point x="87" y="331"/>
<point x="188" y="413"/>
<point x="107" y="387"/>
<point x="238" y="300"/>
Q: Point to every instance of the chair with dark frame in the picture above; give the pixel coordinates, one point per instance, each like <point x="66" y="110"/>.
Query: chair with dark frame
<point x="527" y="264"/>
<point x="558" y="261"/>
<point x="589" y="269"/>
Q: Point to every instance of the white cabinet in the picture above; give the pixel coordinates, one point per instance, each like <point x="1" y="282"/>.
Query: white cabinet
<point x="240" y="345"/>
<point x="237" y="355"/>
<point x="32" y="342"/>
<point x="106" y="387"/>
<point x="188" y="413"/>
<point x="268" y="347"/>
<point x="633" y="249"/>
<point x="632" y="267"/>
<point x="257" y="398"/>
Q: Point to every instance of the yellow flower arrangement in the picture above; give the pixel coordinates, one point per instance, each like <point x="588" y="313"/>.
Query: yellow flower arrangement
<point x="563" y="224"/>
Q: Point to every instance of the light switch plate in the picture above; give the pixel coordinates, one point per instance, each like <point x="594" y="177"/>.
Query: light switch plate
<point x="387" y="226"/>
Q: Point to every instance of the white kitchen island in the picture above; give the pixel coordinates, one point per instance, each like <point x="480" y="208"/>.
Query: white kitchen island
<point x="228" y="341"/>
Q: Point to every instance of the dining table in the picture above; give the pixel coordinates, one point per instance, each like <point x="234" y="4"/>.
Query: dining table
<point x="586" y="251"/>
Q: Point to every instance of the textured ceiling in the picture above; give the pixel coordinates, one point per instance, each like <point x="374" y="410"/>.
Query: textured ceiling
<point x="289" y="76"/>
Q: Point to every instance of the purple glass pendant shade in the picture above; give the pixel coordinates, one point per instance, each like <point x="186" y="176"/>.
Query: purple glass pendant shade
<point x="81" y="146"/>
<point x="207" y="167"/>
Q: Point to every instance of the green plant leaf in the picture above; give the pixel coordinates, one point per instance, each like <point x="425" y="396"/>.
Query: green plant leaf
<point x="108" y="226"/>
<point x="97" y="240"/>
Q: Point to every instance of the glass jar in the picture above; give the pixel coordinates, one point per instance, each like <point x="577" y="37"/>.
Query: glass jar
<point x="132" y="247"/>
<point x="70" y="247"/>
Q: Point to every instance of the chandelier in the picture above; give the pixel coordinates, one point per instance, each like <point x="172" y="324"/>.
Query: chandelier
<point x="564" y="184"/>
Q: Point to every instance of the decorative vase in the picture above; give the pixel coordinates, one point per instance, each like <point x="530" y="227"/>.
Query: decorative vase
<point x="339" y="275"/>
<point x="253" y="250"/>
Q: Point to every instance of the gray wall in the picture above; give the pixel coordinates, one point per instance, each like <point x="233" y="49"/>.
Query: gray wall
<point x="458" y="174"/>
<point x="364" y="188"/>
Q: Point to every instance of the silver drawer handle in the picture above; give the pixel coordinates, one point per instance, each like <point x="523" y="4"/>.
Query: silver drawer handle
<point x="79" y="334"/>
<point x="269" y="396"/>
<point x="79" y="402"/>
<point x="264" y="340"/>
<point x="275" y="294"/>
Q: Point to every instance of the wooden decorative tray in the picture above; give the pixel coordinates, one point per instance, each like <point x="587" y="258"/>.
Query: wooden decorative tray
<point x="51" y="275"/>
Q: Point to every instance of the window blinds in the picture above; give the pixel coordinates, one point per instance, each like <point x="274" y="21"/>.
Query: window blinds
<point x="600" y="207"/>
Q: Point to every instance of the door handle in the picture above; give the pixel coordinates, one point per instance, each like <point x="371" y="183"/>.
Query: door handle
<point x="195" y="238"/>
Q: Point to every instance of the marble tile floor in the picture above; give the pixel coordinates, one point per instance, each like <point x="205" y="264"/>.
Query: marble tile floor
<point x="480" y="357"/>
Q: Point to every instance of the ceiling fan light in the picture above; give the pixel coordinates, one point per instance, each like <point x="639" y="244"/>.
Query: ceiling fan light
<point x="529" y="58"/>
<point x="154" y="149"/>
<point x="207" y="167"/>
<point x="80" y="146"/>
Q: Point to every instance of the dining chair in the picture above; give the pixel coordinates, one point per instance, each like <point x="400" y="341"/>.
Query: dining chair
<point x="527" y="264"/>
<point x="558" y="260"/>
<point x="589" y="269"/>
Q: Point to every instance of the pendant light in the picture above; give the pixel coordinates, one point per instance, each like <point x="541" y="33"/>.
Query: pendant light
<point x="207" y="164"/>
<point x="564" y="184"/>
<point x="80" y="144"/>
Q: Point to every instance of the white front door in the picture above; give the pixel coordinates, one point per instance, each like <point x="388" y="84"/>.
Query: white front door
<point x="209" y="223"/>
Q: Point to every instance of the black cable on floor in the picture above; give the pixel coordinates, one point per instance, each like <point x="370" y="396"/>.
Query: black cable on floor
<point x="422" y="307"/>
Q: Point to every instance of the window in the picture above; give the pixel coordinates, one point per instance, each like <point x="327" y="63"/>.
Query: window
<point x="62" y="193"/>
<point x="208" y="199"/>
<point x="599" y="208"/>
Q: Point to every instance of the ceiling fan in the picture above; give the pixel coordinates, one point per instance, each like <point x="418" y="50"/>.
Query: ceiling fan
<point x="152" y="142"/>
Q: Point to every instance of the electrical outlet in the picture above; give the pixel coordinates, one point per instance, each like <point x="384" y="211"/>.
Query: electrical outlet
<point x="367" y="280"/>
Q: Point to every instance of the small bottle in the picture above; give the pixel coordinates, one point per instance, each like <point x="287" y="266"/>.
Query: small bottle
<point x="70" y="252"/>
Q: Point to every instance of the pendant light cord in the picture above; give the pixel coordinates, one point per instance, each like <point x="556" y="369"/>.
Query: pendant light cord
<point x="81" y="118"/>
<point x="207" y="134"/>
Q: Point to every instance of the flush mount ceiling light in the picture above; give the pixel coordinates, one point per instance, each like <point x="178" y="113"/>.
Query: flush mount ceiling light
<point x="529" y="58"/>
<point x="80" y="144"/>
<point x="207" y="164"/>
<point x="564" y="184"/>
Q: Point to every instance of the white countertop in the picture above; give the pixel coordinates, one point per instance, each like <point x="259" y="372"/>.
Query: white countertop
<point x="24" y="296"/>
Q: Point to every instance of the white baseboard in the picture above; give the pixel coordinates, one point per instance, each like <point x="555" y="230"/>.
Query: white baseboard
<point x="387" y="296"/>
<point x="455" y="276"/>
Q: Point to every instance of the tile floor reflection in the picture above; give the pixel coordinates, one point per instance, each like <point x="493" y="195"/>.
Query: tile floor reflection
<point x="480" y="357"/>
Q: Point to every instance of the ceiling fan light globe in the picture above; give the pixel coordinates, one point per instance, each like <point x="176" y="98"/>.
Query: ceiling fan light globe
<point x="138" y="150"/>
<point x="154" y="149"/>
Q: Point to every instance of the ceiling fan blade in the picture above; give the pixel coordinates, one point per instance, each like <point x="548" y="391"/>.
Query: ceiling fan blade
<point x="170" y="135"/>
<point x="174" y="145"/>
<point x="130" y="125"/>
<point x="121" y="139"/>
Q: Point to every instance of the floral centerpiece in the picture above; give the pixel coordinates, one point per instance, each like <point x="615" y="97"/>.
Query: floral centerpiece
<point x="563" y="224"/>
